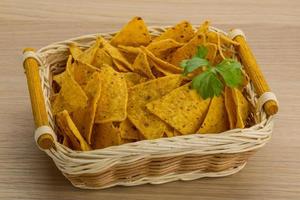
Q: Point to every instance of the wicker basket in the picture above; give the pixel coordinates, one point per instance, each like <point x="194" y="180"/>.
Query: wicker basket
<point x="149" y="161"/>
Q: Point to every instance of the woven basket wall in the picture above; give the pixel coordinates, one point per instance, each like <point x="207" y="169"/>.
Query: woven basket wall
<point x="151" y="161"/>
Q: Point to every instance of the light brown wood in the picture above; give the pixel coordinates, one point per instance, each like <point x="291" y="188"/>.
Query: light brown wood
<point x="253" y="70"/>
<point x="31" y="68"/>
<point x="272" y="28"/>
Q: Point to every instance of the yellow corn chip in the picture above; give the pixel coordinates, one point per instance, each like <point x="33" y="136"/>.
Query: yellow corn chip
<point x="183" y="109"/>
<point x="242" y="107"/>
<point x="66" y="124"/>
<point x="75" y="51"/>
<point x="204" y="27"/>
<point x="70" y="97"/>
<point x="169" y="131"/>
<point x="118" y="58"/>
<point x="188" y="50"/>
<point x="113" y="98"/>
<point x="181" y="32"/>
<point x="163" y="48"/>
<point x="101" y="58"/>
<point x="138" y="96"/>
<point x="119" y="66"/>
<point x="161" y="65"/>
<point x="212" y="51"/>
<point x="128" y="130"/>
<point x="135" y="33"/>
<point x="132" y="79"/>
<point x="59" y="78"/>
<point x="83" y="72"/>
<point x="141" y="66"/>
<point x="129" y="52"/>
<point x="67" y="142"/>
<point x="216" y="120"/>
<point x="106" y="135"/>
<point x="84" y="118"/>
<point x="230" y="107"/>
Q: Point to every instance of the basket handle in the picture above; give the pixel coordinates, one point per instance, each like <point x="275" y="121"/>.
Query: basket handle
<point x="44" y="135"/>
<point x="253" y="70"/>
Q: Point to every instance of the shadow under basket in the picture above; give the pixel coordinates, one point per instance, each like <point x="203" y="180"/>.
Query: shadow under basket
<point x="156" y="161"/>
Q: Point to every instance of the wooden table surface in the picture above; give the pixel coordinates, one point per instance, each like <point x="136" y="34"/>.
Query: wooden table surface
<point x="272" y="29"/>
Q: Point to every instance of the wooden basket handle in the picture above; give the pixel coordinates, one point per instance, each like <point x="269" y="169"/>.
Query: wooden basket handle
<point x="44" y="135"/>
<point x="253" y="70"/>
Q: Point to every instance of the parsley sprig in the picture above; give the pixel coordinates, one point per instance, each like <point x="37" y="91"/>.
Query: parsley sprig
<point x="211" y="82"/>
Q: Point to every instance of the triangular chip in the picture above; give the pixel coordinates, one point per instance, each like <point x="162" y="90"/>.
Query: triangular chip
<point x="75" y="51"/>
<point x="163" y="48"/>
<point x="129" y="52"/>
<point x="161" y="65"/>
<point x="183" y="109"/>
<point x="181" y="32"/>
<point x="59" y="78"/>
<point x="188" y="50"/>
<point x="133" y="79"/>
<point x="84" y="118"/>
<point x="113" y="98"/>
<point x="67" y="142"/>
<point x="70" y="97"/>
<point x="115" y="54"/>
<point x="242" y="108"/>
<point x="83" y="72"/>
<point x="68" y="127"/>
<point x="88" y="55"/>
<point x="128" y="130"/>
<point x="135" y="33"/>
<point x="169" y="131"/>
<point x="138" y="96"/>
<point x="101" y="58"/>
<point x="231" y="107"/>
<point x="216" y="120"/>
<point x="141" y="66"/>
<point x="212" y="51"/>
<point x="106" y="135"/>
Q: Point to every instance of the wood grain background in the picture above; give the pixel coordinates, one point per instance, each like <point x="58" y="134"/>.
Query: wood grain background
<point x="272" y="28"/>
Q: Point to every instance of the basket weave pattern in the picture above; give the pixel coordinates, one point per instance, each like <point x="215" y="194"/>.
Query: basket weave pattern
<point x="150" y="161"/>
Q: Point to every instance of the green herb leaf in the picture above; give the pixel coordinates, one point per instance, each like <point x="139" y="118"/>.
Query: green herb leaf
<point x="194" y="63"/>
<point x="231" y="72"/>
<point x="202" y="51"/>
<point x="207" y="84"/>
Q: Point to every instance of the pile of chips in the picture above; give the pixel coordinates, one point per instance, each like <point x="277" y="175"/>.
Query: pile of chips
<point x="131" y="88"/>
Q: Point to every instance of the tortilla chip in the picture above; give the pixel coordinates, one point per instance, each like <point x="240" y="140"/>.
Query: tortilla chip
<point x="135" y="33"/>
<point x="161" y="65"/>
<point x="83" y="72"/>
<point x="118" y="58"/>
<point x="75" y="51"/>
<point x="216" y="120"/>
<point x="66" y="124"/>
<point x="212" y="37"/>
<point x="163" y="48"/>
<point x="84" y="118"/>
<point x="59" y="78"/>
<point x="188" y="50"/>
<point x="182" y="108"/>
<point x="113" y="98"/>
<point x="128" y="130"/>
<point x="230" y="107"/>
<point x="204" y="27"/>
<point x="141" y="66"/>
<point x="88" y="55"/>
<point x="67" y="142"/>
<point x="124" y="141"/>
<point x="169" y="131"/>
<point x="101" y="58"/>
<point x="176" y="133"/>
<point x="132" y="79"/>
<point x="106" y="135"/>
<point x="212" y="51"/>
<point x="71" y="96"/>
<point x="129" y="52"/>
<point x="148" y="124"/>
<point x="242" y="106"/>
<point x="181" y="32"/>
